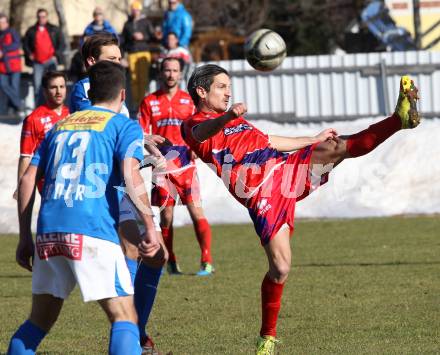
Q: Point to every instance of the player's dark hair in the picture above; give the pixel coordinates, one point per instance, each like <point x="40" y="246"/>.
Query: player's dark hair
<point x="49" y="76"/>
<point x="40" y="10"/>
<point x="93" y="44"/>
<point x="106" y="81"/>
<point x="169" y="59"/>
<point x="204" y="77"/>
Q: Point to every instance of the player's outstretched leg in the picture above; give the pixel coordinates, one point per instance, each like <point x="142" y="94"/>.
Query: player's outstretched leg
<point x="405" y="116"/>
<point x="279" y="258"/>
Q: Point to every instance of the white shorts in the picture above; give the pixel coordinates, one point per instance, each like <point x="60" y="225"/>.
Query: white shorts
<point x="128" y="212"/>
<point x="63" y="259"/>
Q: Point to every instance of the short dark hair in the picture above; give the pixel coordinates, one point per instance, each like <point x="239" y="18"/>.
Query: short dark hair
<point x="93" y="44"/>
<point x="106" y="81"/>
<point x="49" y="76"/>
<point x="42" y="10"/>
<point x="169" y="59"/>
<point x="203" y="76"/>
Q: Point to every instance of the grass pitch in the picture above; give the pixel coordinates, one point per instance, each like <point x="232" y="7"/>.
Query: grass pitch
<point x="367" y="286"/>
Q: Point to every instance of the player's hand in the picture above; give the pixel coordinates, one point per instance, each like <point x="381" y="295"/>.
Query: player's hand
<point x="158" y="161"/>
<point x="155" y="139"/>
<point x="15" y="194"/>
<point x="24" y="254"/>
<point x="326" y="135"/>
<point x="153" y="254"/>
<point x="238" y="109"/>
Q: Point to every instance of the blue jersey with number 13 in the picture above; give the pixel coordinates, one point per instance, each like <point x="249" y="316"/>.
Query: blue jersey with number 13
<point x="81" y="158"/>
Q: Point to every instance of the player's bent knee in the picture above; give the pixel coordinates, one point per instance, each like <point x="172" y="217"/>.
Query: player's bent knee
<point x="279" y="271"/>
<point x="119" y="309"/>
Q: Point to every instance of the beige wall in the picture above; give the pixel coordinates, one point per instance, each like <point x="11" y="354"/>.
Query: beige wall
<point x="402" y="12"/>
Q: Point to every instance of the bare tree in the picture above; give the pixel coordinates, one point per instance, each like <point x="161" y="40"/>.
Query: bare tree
<point x="16" y="13"/>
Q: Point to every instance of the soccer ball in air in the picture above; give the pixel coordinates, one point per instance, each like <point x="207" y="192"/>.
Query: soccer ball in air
<point x="265" y="49"/>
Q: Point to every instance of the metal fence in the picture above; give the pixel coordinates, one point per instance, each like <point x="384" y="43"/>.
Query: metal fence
<point x="335" y="87"/>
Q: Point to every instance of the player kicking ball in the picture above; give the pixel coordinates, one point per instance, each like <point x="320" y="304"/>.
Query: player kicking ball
<point x="268" y="174"/>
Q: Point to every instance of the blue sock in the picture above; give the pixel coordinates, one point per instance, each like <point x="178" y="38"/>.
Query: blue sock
<point x="124" y="339"/>
<point x="145" y="288"/>
<point x="132" y="268"/>
<point x="26" y="339"/>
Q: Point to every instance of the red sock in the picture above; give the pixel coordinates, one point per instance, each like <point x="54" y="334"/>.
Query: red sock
<point x="167" y="234"/>
<point x="203" y="234"/>
<point x="271" y="293"/>
<point x="365" y="141"/>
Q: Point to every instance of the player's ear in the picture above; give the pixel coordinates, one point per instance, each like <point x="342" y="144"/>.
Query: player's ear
<point x="90" y="61"/>
<point x="201" y="92"/>
<point x="123" y="95"/>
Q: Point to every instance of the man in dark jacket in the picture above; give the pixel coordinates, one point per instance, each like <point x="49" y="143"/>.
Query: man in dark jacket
<point x="137" y="36"/>
<point x="43" y="46"/>
<point x="10" y="67"/>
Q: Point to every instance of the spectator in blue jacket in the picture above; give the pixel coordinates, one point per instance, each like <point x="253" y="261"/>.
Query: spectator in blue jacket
<point x="10" y="67"/>
<point x="99" y="24"/>
<point x="179" y="21"/>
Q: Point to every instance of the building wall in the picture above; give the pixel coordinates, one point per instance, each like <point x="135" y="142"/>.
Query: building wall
<point x="402" y="13"/>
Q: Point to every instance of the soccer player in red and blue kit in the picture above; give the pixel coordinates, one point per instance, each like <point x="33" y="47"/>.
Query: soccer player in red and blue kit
<point x="163" y="112"/>
<point x="263" y="174"/>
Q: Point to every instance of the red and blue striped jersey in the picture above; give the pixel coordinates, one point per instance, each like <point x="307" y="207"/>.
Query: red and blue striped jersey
<point x="240" y="154"/>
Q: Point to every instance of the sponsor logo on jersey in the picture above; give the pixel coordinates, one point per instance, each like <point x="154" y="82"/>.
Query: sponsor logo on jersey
<point x="154" y="102"/>
<point x="59" y="244"/>
<point x="169" y="122"/>
<point x="26" y="133"/>
<point x="155" y="108"/>
<point x="185" y="101"/>
<point x="85" y="120"/>
<point x="263" y="206"/>
<point x="237" y="129"/>
<point x="47" y="123"/>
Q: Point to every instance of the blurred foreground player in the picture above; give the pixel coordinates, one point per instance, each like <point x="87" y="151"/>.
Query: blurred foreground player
<point x="163" y="112"/>
<point x="262" y="174"/>
<point x="83" y="158"/>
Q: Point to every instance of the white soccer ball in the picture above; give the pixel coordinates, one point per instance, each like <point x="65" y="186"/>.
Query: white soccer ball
<point x="265" y="49"/>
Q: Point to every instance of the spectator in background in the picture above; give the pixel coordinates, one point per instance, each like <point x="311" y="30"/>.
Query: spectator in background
<point x="99" y="24"/>
<point x="137" y="36"/>
<point x="174" y="50"/>
<point x="43" y="47"/>
<point x="179" y="21"/>
<point x="10" y="67"/>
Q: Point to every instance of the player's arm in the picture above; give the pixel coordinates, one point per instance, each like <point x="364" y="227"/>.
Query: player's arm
<point x="288" y="144"/>
<point x="150" y="249"/>
<point x="27" y="148"/>
<point x="209" y="128"/>
<point x="26" y="196"/>
<point x="23" y="164"/>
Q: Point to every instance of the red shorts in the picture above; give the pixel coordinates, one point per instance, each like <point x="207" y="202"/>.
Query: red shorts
<point x="184" y="184"/>
<point x="273" y="206"/>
